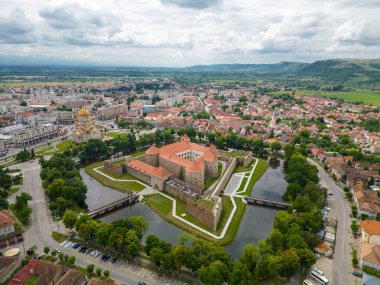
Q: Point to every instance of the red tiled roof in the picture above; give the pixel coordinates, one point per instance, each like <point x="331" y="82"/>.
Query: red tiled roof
<point x="161" y="172"/>
<point x="371" y="227"/>
<point x="152" y="150"/>
<point x="6" y="218"/>
<point x="185" y="138"/>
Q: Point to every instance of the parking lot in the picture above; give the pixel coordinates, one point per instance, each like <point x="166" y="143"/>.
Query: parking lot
<point x="89" y="251"/>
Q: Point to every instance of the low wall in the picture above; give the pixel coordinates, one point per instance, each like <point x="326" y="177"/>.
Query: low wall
<point x="231" y="164"/>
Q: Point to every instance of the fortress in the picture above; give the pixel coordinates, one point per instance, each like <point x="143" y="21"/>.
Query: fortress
<point x="189" y="162"/>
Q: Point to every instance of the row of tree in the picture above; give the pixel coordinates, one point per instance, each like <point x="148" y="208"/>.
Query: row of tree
<point x="63" y="184"/>
<point x="124" y="235"/>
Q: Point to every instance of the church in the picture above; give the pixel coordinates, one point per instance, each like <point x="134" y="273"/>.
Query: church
<point x="85" y="127"/>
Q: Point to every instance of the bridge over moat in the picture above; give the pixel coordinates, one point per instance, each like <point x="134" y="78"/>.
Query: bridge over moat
<point x="128" y="200"/>
<point x="266" y="202"/>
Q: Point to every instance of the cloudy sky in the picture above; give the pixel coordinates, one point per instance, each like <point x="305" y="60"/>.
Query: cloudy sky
<point x="186" y="32"/>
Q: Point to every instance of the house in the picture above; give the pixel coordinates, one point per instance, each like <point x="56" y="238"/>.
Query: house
<point x="370" y="232"/>
<point x="370" y="257"/>
<point x="72" y="277"/>
<point x="7" y="222"/>
<point x="8" y="264"/>
<point x="47" y="273"/>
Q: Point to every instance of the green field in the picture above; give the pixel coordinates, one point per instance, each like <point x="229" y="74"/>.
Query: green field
<point x="52" y="83"/>
<point x="365" y="96"/>
<point x="60" y="147"/>
<point x="115" y="134"/>
<point x="122" y="186"/>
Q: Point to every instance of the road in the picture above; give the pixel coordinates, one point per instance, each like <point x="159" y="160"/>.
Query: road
<point x="39" y="234"/>
<point x="342" y="266"/>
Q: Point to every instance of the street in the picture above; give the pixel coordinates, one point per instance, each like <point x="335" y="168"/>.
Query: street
<point x="42" y="225"/>
<point x="342" y="265"/>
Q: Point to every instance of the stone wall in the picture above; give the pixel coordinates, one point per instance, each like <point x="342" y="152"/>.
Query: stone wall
<point x="139" y="175"/>
<point x="186" y="196"/>
<point x="231" y="164"/>
<point x="209" y="218"/>
<point x="113" y="168"/>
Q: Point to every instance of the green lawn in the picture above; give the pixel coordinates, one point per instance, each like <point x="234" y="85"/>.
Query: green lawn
<point x="45" y="150"/>
<point x="13" y="191"/>
<point x="114" y="134"/>
<point x="58" y="237"/>
<point x="242" y="185"/>
<point x="64" y="145"/>
<point x="122" y="186"/>
<point x="137" y="153"/>
<point x="239" y="168"/>
<point x="60" y="147"/>
<point x="261" y="167"/>
<point x="366" y="96"/>
<point x="163" y="207"/>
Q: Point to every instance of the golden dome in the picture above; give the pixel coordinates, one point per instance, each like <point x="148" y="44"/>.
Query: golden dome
<point x="84" y="112"/>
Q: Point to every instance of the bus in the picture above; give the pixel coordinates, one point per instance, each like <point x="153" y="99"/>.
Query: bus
<point x="319" y="278"/>
<point x="307" y="282"/>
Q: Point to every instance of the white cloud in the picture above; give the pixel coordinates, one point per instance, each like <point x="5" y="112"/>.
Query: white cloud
<point x="184" y="32"/>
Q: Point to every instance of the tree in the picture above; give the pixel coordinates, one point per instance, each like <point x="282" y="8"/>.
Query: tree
<point x="46" y="250"/>
<point x="182" y="254"/>
<point x="156" y="256"/>
<point x="90" y="269"/>
<point x="88" y="230"/>
<point x="275" y="146"/>
<point x="224" y="107"/>
<point x="69" y="219"/>
<point x="307" y="257"/>
<point x="94" y="149"/>
<point x="151" y="241"/>
<point x="23" y="156"/>
<point x="132" y="242"/>
<point x="71" y="260"/>
<point x="214" y="274"/>
<point x="22" y="201"/>
<point x="106" y="274"/>
<point x="53" y="253"/>
<point x="239" y="274"/>
<point x="250" y="257"/>
<point x="290" y="263"/>
<point x="98" y="272"/>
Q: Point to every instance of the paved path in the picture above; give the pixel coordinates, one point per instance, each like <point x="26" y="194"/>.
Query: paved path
<point x="342" y="256"/>
<point x="42" y="225"/>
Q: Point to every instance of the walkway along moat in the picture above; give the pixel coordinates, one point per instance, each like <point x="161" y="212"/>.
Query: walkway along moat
<point x="256" y="223"/>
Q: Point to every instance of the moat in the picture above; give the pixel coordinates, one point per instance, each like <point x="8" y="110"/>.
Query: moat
<point x="256" y="223"/>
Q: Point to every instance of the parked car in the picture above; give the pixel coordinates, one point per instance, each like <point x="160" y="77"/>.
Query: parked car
<point x="357" y="274"/>
<point x="114" y="260"/>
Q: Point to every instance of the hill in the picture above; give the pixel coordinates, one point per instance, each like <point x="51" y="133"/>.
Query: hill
<point x="364" y="73"/>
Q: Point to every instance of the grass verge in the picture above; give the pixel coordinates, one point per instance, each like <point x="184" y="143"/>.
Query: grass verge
<point x="261" y="167"/>
<point x="122" y="186"/>
<point x="58" y="237"/>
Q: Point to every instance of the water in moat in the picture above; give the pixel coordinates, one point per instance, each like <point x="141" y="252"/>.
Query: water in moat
<point x="256" y="224"/>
